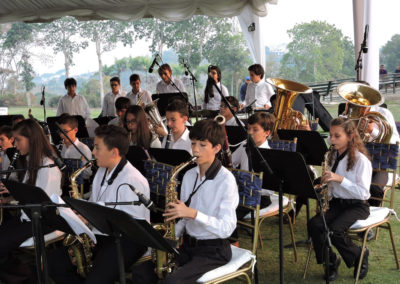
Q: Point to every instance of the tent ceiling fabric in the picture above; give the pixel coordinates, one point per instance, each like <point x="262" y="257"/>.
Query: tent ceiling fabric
<point x="168" y="10"/>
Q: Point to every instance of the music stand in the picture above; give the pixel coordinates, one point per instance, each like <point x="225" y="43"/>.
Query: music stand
<point x="136" y="155"/>
<point x="82" y="130"/>
<point x="39" y="208"/>
<point x="309" y="143"/>
<point x="6" y="119"/>
<point x="235" y="134"/>
<point x="116" y="223"/>
<point x="172" y="157"/>
<point x="290" y="176"/>
<point x="164" y="99"/>
<point x="103" y="120"/>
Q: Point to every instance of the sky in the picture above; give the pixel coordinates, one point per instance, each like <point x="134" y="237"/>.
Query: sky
<point x="281" y="17"/>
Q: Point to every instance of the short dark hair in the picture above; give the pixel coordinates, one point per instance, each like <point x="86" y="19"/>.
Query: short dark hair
<point x="257" y="69"/>
<point x="232" y="101"/>
<point x="134" y="77"/>
<point x="122" y="102"/>
<point x="69" y="82"/>
<point x="265" y="119"/>
<point x="163" y="68"/>
<point x="17" y="117"/>
<point x="66" y="118"/>
<point x="113" y="137"/>
<point x="178" y="105"/>
<point x="115" y="79"/>
<point x="6" y="130"/>
<point x="208" y="129"/>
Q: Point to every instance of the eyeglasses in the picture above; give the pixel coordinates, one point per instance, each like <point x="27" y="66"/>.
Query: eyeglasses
<point x="133" y="121"/>
<point x="114" y="85"/>
<point x="224" y="106"/>
<point x="64" y="130"/>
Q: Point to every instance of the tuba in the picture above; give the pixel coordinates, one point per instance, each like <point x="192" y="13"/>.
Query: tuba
<point x="286" y="93"/>
<point x="163" y="260"/>
<point x="359" y="98"/>
<point x="154" y="115"/>
<point x="79" y="247"/>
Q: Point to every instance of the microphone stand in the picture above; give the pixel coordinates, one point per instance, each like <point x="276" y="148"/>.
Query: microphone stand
<point x="363" y="49"/>
<point x="193" y="79"/>
<point x="43" y="103"/>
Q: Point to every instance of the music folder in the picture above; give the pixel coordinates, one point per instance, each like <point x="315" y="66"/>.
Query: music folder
<point x="110" y="221"/>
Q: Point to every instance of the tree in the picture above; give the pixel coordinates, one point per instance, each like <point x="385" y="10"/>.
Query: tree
<point x="390" y="53"/>
<point x="105" y="35"/>
<point x="27" y="75"/>
<point x="62" y="35"/>
<point x="316" y="53"/>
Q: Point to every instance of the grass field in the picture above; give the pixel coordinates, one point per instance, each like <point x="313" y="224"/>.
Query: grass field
<point x="37" y="112"/>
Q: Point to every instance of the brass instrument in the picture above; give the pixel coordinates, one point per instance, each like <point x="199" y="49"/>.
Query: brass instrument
<point x="359" y="98"/>
<point x="286" y="93"/>
<point x="323" y="187"/>
<point x="79" y="247"/>
<point x="154" y="115"/>
<point x="164" y="264"/>
<point x="140" y="100"/>
<point x="226" y="155"/>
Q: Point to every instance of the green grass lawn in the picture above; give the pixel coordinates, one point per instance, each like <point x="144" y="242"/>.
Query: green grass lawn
<point x="37" y="112"/>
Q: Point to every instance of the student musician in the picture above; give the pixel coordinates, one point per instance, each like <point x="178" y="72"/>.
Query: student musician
<point x="226" y="112"/>
<point x="209" y="197"/>
<point x="177" y="115"/>
<point x="121" y="105"/>
<point x="348" y="180"/>
<point x="165" y="85"/>
<point x="110" y="147"/>
<point x="108" y="108"/>
<point x="258" y="89"/>
<point x="30" y="140"/>
<point x="6" y="142"/>
<point x="212" y="98"/>
<point x="138" y="96"/>
<point x="72" y="103"/>
<point x="138" y="127"/>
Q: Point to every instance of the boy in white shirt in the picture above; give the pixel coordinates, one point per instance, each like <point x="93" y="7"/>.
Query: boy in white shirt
<point x="258" y="89"/>
<point x="209" y="197"/>
<point x="226" y="112"/>
<point x="110" y="98"/>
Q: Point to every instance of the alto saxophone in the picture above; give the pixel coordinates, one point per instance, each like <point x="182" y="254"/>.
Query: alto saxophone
<point x="322" y="188"/>
<point x="79" y="246"/>
<point x="164" y="264"/>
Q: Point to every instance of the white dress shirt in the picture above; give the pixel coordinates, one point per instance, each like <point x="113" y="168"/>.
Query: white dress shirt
<point x="163" y="88"/>
<point x="155" y="142"/>
<point x="73" y="106"/>
<point x="215" y="201"/>
<point x="261" y="92"/>
<point x="146" y="97"/>
<point x="214" y="103"/>
<point x="356" y="182"/>
<point x="183" y="143"/>
<point x="390" y="119"/>
<point x="240" y="158"/>
<point x="109" y="103"/>
<point x="71" y="153"/>
<point x="232" y="122"/>
<point x="116" y="121"/>
<point x="110" y="193"/>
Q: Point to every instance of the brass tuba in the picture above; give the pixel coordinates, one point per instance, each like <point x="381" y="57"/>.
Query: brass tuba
<point x="359" y="98"/>
<point x="286" y="93"/>
<point x="154" y="115"/>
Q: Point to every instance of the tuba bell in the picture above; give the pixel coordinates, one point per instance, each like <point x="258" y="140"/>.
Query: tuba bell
<point x="154" y="116"/>
<point x="359" y="98"/>
<point x="286" y="93"/>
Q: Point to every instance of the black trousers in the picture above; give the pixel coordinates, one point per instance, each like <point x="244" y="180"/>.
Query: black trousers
<point x="380" y="179"/>
<point x="195" y="260"/>
<point x="342" y="213"/>
<point x="105" y="262"/>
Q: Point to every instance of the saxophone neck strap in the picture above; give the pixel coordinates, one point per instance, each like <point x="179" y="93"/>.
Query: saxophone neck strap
<point x="117" y="170"/>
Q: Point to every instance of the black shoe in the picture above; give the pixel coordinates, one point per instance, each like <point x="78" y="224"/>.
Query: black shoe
<point x="333" y="268"/>
<point x="364" y="265"/>
<point x="371" y="235"/>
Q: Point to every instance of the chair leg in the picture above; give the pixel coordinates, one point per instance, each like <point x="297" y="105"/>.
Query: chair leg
<point x="293" y="239"/>
<point x="308" y="260"/>
<point x="393" y="245"/>
<point x="362" y="255"/>
<point x="255" y="274"/>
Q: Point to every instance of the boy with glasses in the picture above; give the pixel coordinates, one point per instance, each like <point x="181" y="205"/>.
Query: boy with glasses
<point x="226" y="112"/>
<point x="110" y="98"/>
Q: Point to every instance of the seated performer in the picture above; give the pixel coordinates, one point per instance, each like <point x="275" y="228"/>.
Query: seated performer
<point x="212" y="98"/>
<point x="121" y="105"/>
<point x="258" y="89"/>
<point x="137" y="125"/>
<point x="109" y="99"/>
<point x="348" y="180"/>
<point x="226" y="112"/>
<point x="165" y="85"/>
<point x="31" y="141"/>
<point x="110" y="146"/>
<point x="6" y="142"/>
<point x="209" y="197"/>
<point x="177" y="116"/>
<point x="138" y="96"/>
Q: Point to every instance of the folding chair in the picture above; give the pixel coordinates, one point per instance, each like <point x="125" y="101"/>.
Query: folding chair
<point x="243" y="261"/>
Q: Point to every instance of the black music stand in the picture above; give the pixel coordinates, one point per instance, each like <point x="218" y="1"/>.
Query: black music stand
<point x="235" y="134"/>
<point x="116" y="223"/>
<point x="103" y="120"/>
<point x="39" y="208"/>
<point x="136" y="155"/>
<point x="172" y="157"/>
<point x="6" y="119"/>
<point x="309" y="143"/>
<point x="290" y="176"/>
<point x="82" y="130"/>
<point x="164" y="99"/>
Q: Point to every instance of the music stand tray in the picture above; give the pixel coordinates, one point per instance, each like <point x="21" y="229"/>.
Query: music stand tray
<point x="172" y="157"/>
<point x="309" y="143"/>
<point x="165" y="98"/>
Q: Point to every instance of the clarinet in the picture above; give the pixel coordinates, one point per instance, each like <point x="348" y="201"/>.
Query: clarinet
<point x="168" y="139"/>
<point x="12" y="163"/>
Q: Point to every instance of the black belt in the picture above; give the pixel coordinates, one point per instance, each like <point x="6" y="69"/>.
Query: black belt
<point x="349" y="201"/>
<point x="193" y="242"/>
